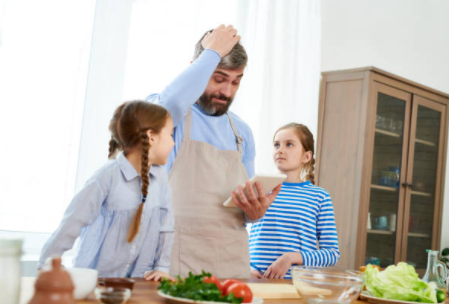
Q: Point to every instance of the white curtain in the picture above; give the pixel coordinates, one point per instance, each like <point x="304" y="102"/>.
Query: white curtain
<point x="152" y="41"/>
<point x="44" y="52"/>
<point x="281" y="83"/>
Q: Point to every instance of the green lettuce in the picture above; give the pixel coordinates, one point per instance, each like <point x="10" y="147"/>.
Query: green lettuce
<point x="399" y="282"/>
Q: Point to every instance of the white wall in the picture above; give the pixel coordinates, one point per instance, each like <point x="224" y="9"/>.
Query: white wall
<point x="409" y="38"/>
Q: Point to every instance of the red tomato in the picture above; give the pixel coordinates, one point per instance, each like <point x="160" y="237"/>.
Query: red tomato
<point x="241" y="290"/>
<point x="213" y="280"/>
<point x="226" y="284"/>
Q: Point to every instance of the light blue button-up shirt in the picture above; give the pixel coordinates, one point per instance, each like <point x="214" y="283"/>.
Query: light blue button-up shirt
<point x="101" y="214"/>
<point x="180" y="96"/>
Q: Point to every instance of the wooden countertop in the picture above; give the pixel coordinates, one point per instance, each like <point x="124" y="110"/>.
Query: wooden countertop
<point x="145" y="292"/>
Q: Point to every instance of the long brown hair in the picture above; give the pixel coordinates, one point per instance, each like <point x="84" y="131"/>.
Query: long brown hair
<point x="307" y="142"/>
<point x="129" y="126"/>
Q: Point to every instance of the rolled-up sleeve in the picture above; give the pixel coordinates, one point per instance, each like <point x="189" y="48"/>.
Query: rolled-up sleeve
<point x="179" y="96"/>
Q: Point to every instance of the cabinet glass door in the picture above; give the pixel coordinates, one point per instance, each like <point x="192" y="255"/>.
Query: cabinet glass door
<point x="389" y="160"/>
<point x="423" y="191"/>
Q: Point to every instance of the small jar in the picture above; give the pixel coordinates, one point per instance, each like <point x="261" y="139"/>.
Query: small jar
<point x="53" y="286"/>
<point x="11" y="271"/>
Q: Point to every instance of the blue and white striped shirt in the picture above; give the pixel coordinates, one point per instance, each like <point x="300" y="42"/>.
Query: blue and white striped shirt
<point x="101" y="213"/>
<point x="300" y="218"/>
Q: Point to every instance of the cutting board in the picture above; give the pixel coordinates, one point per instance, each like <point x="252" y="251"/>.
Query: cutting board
<point x="273" y="291"/>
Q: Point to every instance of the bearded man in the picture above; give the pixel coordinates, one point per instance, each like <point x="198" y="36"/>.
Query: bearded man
<point x="214" y="152"/>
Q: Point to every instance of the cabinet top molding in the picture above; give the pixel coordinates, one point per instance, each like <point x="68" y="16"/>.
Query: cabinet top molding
<point x="387" y="74"/>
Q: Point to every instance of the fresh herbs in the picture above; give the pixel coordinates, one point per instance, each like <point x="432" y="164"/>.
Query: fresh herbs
<point x="195" y="289"/>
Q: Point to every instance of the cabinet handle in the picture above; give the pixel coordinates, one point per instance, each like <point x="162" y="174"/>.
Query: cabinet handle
<point x="405" y="184"/>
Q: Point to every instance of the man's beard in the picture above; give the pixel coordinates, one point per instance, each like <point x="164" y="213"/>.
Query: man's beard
<point x="206" y="104"/>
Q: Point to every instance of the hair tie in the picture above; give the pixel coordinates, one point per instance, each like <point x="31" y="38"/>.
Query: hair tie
<point x="144" y="198"/>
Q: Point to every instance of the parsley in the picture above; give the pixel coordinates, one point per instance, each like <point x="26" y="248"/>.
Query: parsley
<point x="193" y="288"/>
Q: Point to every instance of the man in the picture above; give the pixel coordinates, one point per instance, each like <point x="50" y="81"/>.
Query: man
<point x="214" y="152"/>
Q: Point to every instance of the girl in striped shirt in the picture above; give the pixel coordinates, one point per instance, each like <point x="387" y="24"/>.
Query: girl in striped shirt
<point x="299" y="227"/>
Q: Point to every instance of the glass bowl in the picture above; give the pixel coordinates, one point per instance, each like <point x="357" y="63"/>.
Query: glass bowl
<point x="112" y="295"/>
<point x="327" y="285"/>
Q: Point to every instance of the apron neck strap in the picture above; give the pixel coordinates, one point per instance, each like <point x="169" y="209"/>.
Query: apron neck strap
<point x="187" y="124"/>
<point x="188" y="127"/>
<point x="238" y="138"/>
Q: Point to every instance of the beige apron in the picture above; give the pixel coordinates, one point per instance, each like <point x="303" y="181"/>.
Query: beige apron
<point x="208" y="236"/>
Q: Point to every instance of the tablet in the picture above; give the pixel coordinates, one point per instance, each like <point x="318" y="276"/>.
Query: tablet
<point x="267" y="181"/>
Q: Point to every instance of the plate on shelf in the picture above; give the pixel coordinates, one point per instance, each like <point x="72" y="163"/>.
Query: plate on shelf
<point x="366" y="295"/>
<point x="177" y="300"/>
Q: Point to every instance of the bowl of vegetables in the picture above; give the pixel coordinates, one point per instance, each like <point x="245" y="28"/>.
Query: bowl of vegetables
<point x="399" y="284"/>
<point x="327" y="285"/>
<point x="206" y="288"/>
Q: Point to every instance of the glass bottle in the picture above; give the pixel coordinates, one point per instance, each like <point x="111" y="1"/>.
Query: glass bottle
<point x="432" y="274"/>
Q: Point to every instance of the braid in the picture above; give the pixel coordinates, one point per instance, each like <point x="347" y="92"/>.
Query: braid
<point x="135" y="225"/>
<point x="311" y="171"/>
<point x="113" y="147"/>
<point x="129" y="127"/>
<point x="145" y="141"/>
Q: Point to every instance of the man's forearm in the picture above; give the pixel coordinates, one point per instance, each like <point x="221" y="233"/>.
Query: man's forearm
<point x="185" y="89"/>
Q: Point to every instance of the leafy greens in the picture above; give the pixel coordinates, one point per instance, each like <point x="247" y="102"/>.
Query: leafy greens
<point x="399" y="282"/>
<point x="193" y="288"/>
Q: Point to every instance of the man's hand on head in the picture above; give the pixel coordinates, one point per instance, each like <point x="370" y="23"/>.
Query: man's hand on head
<point x="253" y="206"/>
<point x="222" y="39"/>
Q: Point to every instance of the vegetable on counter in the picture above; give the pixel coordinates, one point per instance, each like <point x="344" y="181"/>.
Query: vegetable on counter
<point x="399" y="282"/>
<point x="441" y="295"/>
<point x="206" y="287"/>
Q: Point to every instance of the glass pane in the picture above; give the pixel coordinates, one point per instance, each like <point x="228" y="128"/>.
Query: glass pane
<point x="424" y="183"/>
<point x="384" y="197"/>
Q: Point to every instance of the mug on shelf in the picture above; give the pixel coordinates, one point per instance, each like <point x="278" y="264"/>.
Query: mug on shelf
<point x="380" y="223"/>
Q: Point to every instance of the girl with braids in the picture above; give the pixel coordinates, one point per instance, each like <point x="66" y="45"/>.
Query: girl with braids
<point x="301" y="216"/>
<point x="123" y="215"/>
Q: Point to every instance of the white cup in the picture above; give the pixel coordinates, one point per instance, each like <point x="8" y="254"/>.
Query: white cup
<point x="393" y="222"/>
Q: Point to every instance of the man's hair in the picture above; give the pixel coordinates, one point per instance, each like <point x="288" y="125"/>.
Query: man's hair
<point x="236" y="59"/>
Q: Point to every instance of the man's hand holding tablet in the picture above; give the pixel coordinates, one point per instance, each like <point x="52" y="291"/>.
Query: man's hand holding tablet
<point x="256" y="195"/>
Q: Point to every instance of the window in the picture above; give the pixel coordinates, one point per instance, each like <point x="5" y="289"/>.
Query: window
<point x="44" y="54"/>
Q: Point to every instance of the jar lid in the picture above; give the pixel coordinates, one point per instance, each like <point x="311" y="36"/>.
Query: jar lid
<point x="11" y="247"/>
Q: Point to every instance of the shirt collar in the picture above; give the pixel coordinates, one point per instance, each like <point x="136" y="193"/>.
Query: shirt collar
<point x="128" y="170"/>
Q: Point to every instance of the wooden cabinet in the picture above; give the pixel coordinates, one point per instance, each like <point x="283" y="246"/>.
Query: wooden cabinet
<point x="381" y="153"/>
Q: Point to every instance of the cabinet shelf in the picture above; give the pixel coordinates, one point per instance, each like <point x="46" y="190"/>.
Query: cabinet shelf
<point x="384" y="188"/>
<point x="373" y="231"/>
<point x="421" y="193"/>
<point x="412" y="234"/>
<point x="425" y="142"/>
<point x="388" y="133"/>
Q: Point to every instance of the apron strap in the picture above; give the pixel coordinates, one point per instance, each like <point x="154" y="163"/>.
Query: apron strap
<point x="238" y="138"/>
<point x="188" y="127"/>
<point x="187" y="124"/>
